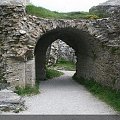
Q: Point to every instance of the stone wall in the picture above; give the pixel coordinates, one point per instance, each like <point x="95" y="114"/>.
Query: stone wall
<point x="14" y="2"/>
<point x="96" y="43"/>
<point x="105" y="10"/>
<point x="59" y="50"/>
<point x="13" y="49"/>
<point x="111" y="2"/>
<point x="104" y="66"/>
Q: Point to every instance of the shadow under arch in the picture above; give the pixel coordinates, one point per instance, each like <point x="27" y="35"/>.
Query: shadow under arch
<point x="75" y="38"/>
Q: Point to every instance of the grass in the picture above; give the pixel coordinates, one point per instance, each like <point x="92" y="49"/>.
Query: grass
<point x="27" y="90"/>
<point x="107" y="94"/>
<point x="65" y="65"/>
<point x="50" y="73"/>
<point x="45" y="13"/>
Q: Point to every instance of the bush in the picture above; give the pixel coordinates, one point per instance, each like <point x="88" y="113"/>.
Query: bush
<point x="92" y="17"/>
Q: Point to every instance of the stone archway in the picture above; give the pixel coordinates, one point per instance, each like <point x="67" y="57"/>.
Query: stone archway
<point x="96" y="43"/>
<point x="80" y="41"/>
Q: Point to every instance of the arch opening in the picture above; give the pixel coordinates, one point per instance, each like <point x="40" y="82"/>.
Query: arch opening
<point x="59" y="52"/>
<point x="75" y="38"/>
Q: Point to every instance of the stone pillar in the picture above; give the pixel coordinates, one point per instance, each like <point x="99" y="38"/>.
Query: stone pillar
<point x="13" y="47"/>
<point x="30" y="72"/>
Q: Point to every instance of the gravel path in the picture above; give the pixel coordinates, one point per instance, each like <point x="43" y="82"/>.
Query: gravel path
<point x="64" y="96"/>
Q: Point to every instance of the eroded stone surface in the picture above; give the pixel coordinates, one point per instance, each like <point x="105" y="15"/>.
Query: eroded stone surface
<point x="60" y="50"/>
<point x="10" y="101"/>
<point x="14" y="2"/>
<point x="111" y="2"/>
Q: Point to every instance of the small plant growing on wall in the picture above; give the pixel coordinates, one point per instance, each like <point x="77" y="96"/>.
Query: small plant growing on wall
<point x="115" y="50"/>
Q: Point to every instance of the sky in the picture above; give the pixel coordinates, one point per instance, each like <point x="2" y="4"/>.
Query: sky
<point x="67" y="5"/>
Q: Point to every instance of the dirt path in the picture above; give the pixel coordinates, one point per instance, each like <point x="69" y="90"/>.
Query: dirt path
<point x="64" y="96"/>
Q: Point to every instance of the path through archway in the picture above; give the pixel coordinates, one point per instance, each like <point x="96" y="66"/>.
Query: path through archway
<point x="80" y="41"/>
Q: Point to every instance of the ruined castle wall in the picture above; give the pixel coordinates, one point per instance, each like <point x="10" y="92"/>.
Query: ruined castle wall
<point x="13" y="50"/>
<point x="103" y="66"/>
<point x="14" y="2"/>
<point x="20" y="32"/>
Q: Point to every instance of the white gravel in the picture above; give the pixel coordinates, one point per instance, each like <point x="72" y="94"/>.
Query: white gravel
<point x="63" y="96"/>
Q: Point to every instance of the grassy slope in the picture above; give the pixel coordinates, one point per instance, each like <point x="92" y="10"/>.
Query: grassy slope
<point x="65" y="65"/>
<point x="45" y="13"/>
<point x="50" y="73"/>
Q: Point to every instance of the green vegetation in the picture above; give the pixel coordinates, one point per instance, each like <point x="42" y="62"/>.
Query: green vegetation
<point x="100" y="11"/>
<point x="65" y="65"/>
<point x="100" y="14"/>
<point x="107" y="94"/>
<point x="50" y="73"/>
<point x="115" y="50"/>
<point x="62" y="64"/>
<point x="27" y="90"/>
<point x="45" y="13"/>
